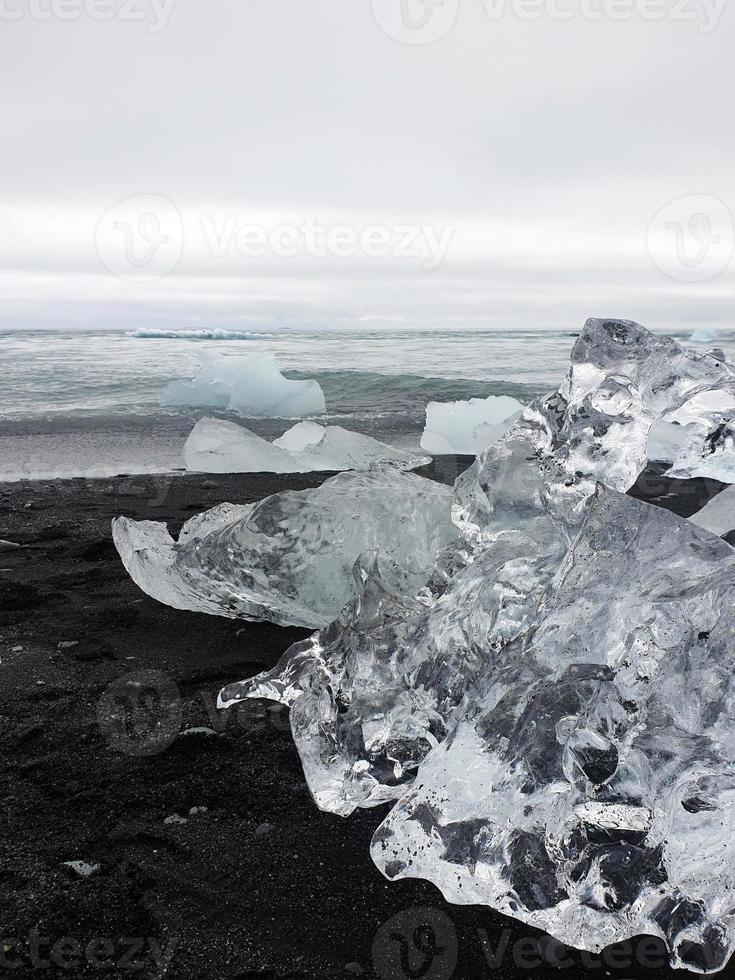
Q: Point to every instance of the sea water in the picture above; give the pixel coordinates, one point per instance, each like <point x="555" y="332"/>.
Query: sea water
<point x="86" y="403"/>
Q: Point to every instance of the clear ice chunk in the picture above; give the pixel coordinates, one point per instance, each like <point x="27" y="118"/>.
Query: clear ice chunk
<point x="709" y="452"/>
<point x="288" y="558"/>
<point x="718" y="516"/>
<point x="587" y="782"/>
<point x="553" y="711"/>
<point x="217" y="446"/>
<point x="468" y="427"/>
<point x="251" y="385"/>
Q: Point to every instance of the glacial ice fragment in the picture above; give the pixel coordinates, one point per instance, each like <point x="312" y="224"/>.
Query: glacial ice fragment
<point x="468" y="427"/>
<point x="718" y="516"/>
<point x="709" y="452"/>
<point x="288" y="559"/>
<point x="553" y="710"/>
<point x="251" y="385"/>
<point x="587" y="782"/>
<point x="216" y="446"/>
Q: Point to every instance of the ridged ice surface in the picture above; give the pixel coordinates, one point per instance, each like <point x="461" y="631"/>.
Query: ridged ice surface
<point x="288" y="558"/>
<point x="553" y="709"/>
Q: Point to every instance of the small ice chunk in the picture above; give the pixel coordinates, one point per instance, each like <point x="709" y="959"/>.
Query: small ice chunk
<point x="249" y="385"/>
<point x="175" y="819"/>
<point x="718" y="516"/>
<point x="216" y="446"/>
<point x="468" y="427"/>
<point x="82" y="868"/>
<point x="301" y="436"/>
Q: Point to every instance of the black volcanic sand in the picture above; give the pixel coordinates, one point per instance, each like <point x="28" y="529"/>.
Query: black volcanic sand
<point x="95" y="759"/>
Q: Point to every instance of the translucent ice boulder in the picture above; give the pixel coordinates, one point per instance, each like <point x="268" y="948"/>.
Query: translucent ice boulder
<point x="288" y="559"/>
<point x="587" y="782"/>
<point x="251" y="385"/>
<point x="468" y="427"/>
<point x="553" y="710"/>
<point x="215" y="446"/>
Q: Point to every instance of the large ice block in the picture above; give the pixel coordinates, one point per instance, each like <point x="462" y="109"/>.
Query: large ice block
<point x="553" y="711"/>
<point x="288" y="559"/>
<point x="587" y="783"/>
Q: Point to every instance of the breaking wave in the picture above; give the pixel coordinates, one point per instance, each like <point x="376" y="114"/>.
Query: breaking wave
<point x="203" y="334"/>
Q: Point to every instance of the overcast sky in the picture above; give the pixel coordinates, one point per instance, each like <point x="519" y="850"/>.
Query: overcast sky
<point x="289" y="161"/>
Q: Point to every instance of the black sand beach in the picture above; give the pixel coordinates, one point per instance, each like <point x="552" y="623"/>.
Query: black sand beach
<point x="248" y="879"/>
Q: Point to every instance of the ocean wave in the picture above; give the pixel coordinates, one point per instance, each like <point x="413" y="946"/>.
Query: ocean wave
<point x="202" y="334"/>
<point x="386" y="394"/>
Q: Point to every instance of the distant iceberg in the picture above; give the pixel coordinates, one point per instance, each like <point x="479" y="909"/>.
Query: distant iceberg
<point x="215" y="446"/>
<point x="251" y="385"/>
<point x="703" y="335"/>
<point x="468" y="427"/>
